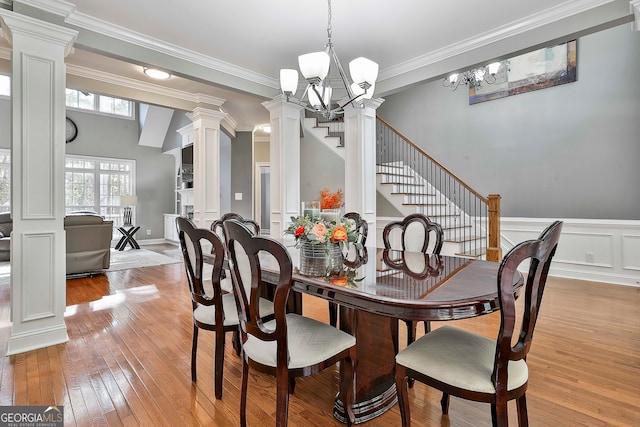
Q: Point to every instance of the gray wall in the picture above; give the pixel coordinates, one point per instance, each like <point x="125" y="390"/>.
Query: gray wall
<point x="319" y="167"/>
<point x="107" y="136"/>
<point x="241" y="174"/>
<point x="570" y="151"/>
<point x="173" y="139"/>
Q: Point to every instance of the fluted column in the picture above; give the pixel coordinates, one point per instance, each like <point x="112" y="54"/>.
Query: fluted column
<point x="360" y="162"/>
<point x="38" y="262"/>
<point x="206" y="165"/>
<point x="284" y="152"/>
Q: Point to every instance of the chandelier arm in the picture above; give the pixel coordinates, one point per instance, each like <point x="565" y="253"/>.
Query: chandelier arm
<point x="324" y="107"/>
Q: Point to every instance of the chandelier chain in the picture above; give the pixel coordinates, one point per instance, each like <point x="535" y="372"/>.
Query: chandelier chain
<point x="329" y="28"/>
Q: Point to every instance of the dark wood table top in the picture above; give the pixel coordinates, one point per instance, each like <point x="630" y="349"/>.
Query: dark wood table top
<point x="406" y="285"/>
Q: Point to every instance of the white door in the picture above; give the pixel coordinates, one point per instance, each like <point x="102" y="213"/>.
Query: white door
<point x="262" y="199"/>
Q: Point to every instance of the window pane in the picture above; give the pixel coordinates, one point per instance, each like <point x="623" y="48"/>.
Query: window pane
<point x="86" y="101"/>
<point x="5" y="85"/>
<point x="106" y="104"/>
<point x="122" y="107"/>
<point x="5" y="180"/>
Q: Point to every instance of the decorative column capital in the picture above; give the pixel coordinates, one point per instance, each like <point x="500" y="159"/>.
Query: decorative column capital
<point x="16" y="24"/>
<point x="205" y="114"/>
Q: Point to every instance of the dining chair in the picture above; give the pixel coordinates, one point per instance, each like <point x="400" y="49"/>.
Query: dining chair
<point x="353" y="255"/>
<point x="474" y="367"/>
<point x="414" y="234"/>
<point x="291" y="345"/>
<point x="216" y="227"/>
<point x="213" y="310"/>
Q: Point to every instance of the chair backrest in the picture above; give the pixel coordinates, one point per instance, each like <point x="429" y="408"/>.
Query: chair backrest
<point x="415" y="234"/>
<point x="246" y="272"/>
<point x="356" y="254"/>
<point x="539" y="253"/>
<point x="191" y="243"/>
<point x="216" y="226"/>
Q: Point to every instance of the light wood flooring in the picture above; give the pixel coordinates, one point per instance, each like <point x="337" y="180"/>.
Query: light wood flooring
<point x="128" y="361"/>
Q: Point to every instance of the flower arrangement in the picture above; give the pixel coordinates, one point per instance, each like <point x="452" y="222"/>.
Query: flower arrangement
<point x="322" y="232"/>
<point x="329" y="200"/>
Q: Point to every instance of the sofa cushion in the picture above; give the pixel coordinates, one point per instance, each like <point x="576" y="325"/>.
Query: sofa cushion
<point x="82" y="219"/>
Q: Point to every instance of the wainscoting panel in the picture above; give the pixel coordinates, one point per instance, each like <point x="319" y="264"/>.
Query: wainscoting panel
<point x="595" y="250"/>
<point x="630" y="251"/>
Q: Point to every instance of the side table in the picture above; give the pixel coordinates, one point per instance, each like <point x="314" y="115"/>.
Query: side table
<point x="128" y="231"/>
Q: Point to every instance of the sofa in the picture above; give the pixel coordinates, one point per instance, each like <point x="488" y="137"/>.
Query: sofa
<point x="88" y="242"/>
<point x="6" y="227"/>
<point x="88" y="238"/>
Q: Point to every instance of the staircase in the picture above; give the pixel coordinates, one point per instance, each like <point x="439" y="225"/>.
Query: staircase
<point x="408" y="192"/>
<point x="413" y="182"/>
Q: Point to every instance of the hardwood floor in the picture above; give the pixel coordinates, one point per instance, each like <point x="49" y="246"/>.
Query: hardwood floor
<point x="128" y="361"/>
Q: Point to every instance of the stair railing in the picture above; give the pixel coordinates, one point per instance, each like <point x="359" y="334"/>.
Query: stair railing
<point x="467" y="217"/>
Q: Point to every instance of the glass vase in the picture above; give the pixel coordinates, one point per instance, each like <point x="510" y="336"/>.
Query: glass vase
<point x="320" y="259"/>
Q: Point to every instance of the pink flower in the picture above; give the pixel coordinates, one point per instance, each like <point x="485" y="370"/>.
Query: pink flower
<point x="319" y="230"/>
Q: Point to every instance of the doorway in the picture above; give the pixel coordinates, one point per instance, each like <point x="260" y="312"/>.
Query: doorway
<point x="262" y="199"/>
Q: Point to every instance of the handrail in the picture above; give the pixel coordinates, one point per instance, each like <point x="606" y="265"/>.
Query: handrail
<point x="444" y="168"/>
<point x="471" y="221"/>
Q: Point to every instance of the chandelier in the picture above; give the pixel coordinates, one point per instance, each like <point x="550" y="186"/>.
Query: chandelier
<point x="315" y="68"/>
<point x="489" y="74"/>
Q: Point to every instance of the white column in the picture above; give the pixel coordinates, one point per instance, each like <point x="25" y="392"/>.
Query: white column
<point x="360" y="162"/>
<point x="284" y="157"/>
<point x="635" y="9"/>
<point x="206" y="165"/>
<point x="38" y="262"/>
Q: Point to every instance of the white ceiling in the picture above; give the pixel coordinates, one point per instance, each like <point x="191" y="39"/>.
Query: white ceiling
<point x="242" y="44"/>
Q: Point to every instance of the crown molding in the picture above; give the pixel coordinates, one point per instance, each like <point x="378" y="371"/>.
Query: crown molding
<point x="87" y="22"/>
<point x="102" y="76"/>
<point x="141" y="40"/>
<point x="549" y="16"/>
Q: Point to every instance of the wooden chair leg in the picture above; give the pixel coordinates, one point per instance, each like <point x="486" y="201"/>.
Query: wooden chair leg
<point x="444" y="403"/>
<point x="243" y="392"/>
<point x="218" y="364"/>
<point x="194" y="352"/>
<point x="499" y="417"/>
<point x="292" y="385"/>
<point x="346" y="387"/>
<point x="523" y="418"/>
<point x="403" y="398"/>
<point x="237" y="344"/>
<point x="412" y="327"/>
<point x="333" y="313"/>
<point x="282" y="398"/>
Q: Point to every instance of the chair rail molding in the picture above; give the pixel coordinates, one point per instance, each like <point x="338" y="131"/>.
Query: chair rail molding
<point x="597" y="250"/>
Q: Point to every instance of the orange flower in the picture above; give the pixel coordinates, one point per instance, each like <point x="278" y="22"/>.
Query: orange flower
<point x="330" y="200"/>
<point x="339" y="234"/>
<point x="339" y="281"/>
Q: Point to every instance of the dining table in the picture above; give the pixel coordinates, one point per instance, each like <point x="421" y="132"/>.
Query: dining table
<point x="374" y="289"/>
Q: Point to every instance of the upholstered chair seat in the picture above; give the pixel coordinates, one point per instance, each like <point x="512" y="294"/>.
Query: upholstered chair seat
<point x="313" y="342"/>
<point x="207" y="313"/>
<point x="460" y="358"/>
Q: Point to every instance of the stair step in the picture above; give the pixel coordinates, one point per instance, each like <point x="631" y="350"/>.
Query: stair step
<point x="411" y="193"/>
<point x="465" y="240"/>
<point x="475" y="253"/>
<point x="424" y="204"/>
<point x="396" y="174"/>
<point x="382" y="165"/>
<point x="403" y="183"/>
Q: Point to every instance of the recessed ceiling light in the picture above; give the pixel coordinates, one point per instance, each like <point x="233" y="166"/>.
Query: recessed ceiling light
<point x="266" y="128"/>
<point x="156" y="74"/>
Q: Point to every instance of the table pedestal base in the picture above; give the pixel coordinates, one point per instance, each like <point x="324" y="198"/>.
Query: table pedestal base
<point x="375" y="388"/>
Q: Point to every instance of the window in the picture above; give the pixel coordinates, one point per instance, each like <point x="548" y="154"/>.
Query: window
<point x="96" y="184"/>
<point x="100" y="103"/>
<point x="5" y="180"/>
<point x="5" y="85"/>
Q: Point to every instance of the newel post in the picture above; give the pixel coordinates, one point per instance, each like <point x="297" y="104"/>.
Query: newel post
<point x="494" y="250"/>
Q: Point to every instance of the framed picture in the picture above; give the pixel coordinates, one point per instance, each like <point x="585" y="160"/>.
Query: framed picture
<point x="535" y="70"/>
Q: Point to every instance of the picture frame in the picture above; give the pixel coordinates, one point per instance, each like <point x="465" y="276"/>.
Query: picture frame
<point x="539" y="69"/>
